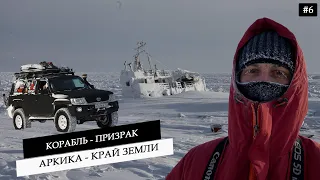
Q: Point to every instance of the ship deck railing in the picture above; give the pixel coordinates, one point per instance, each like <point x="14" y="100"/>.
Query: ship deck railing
<point x="159" y="72"/>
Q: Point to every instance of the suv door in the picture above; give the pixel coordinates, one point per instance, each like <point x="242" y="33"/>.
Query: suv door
<point x="28" y="103"/>
<point x="43" y="101"/>
<point x="29" y="99"/>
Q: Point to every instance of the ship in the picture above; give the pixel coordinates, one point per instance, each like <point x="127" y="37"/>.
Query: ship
<point x="137" y="81"/>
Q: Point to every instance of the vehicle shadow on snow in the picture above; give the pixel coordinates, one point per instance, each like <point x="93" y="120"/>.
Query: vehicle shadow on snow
<point x="18" y="151"/>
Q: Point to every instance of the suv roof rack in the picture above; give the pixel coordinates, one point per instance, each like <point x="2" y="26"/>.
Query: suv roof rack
<point x="42" y="69"/>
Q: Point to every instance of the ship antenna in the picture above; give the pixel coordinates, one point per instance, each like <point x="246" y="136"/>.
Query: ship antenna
<point x="139" y="50"/>
<point x="149" y="57"/>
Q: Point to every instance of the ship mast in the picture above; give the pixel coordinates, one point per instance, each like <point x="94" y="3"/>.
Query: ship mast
<point x="149" y="57"/>
<point x="137" y="62"/>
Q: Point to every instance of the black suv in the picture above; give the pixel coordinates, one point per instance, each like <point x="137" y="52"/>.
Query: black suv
<point x="58" y="94"/>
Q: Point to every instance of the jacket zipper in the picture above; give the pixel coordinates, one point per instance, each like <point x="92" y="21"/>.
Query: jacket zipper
<point x="256" y="126"/>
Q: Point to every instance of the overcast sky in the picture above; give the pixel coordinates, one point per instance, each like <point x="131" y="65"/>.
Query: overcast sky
<point x="99" y="35"/>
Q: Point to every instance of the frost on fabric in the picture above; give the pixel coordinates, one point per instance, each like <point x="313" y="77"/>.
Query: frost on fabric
<point x="262" y="91"/>
<point x="266" y="46"/>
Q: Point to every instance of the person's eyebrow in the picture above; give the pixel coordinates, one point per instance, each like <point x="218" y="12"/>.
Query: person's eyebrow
<point x="278" y="66"/>
<point x="254" y="65"/>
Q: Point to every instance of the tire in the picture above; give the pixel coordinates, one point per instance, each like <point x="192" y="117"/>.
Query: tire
<point x="28" y="123"/>
<point x="19" y="119"/>
<point x="112" y="120"/>
<point x="63" y="121"/>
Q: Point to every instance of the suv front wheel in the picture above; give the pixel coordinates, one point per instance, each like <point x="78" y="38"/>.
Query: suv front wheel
<point x="63" y="121"/>
<point x="109" y="121"/>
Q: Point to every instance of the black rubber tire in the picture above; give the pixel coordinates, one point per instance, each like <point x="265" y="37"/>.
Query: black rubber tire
<point x="112" y="121"/>
<point x="71" y="121"/>
<point x="105" y="125"/>
<point x="28" y="123"/>
<point x="19" y="112"/>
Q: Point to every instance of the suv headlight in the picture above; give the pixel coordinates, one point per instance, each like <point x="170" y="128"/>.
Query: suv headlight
<point x="78" y="101"/>
<point x="112" y="98"/>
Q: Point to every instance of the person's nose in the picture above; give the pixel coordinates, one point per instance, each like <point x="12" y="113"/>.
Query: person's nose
<point x="264" y="76"/>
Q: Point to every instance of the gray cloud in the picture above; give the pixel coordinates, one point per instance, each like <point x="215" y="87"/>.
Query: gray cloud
<point x="99" y="36"/>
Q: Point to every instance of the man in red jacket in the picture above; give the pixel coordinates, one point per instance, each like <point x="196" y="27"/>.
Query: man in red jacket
<point x="267" y="105"/>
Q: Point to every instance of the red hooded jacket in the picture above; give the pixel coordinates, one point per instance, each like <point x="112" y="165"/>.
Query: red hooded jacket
<point x="265" y="155"/>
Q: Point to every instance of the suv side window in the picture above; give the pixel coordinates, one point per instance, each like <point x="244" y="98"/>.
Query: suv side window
<point x="42" y="87"/>
<point x="12" y="88"/>
<point x="19" y="87"/>
<point x="31" y="85"/>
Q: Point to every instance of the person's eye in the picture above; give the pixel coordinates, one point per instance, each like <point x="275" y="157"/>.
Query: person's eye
<point x="280" y="74"/>
<point x="251" y="71"/>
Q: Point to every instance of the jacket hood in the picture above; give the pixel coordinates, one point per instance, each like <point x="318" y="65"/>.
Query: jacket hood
<point x="279" y="121"/>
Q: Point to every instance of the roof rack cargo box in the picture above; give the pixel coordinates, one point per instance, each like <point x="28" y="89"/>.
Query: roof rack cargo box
<point x="32" y="68"/>
<point x="37" y="67"/>
<point x="42" y="69"/>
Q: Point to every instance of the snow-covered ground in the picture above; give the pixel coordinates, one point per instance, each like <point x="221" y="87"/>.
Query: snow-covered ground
<point x="185" y="117"/>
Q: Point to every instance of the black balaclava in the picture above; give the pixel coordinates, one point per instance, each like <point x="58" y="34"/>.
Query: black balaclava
<point x="267" y="47"/>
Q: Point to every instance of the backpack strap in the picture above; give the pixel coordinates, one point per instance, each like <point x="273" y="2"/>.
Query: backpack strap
<point x="212" y="165"/>
<point x="297" y="161"/>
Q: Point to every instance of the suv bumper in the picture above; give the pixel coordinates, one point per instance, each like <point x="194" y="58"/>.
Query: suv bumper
<point x="90" y="113"/>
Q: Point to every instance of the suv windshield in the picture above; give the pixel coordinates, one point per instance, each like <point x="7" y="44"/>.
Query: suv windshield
<point x="68" y="83"/>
